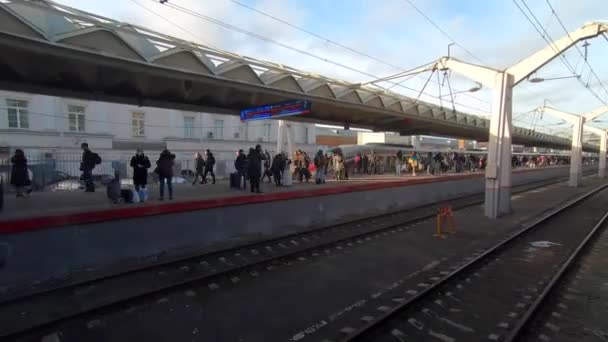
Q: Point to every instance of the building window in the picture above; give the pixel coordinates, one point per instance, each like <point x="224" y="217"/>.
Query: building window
<point x="76" y="118"/>
<point x="188" y="126"/>
<point x="17" y="114"/>
<point x="218" y="129"/>
<point x="242" y="133"/>
<point x="138" y="124"/>
<point x="267" y="128"/>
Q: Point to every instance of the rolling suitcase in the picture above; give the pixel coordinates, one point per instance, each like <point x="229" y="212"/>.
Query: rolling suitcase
<point x="113" y="190"/>
<point x="235" y="181"/>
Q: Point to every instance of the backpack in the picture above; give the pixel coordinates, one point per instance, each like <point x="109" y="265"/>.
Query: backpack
<point x="127" y="195"/>
<point x="97" y="159"/>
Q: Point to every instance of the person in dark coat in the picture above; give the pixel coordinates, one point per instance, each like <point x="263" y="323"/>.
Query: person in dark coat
<point x="199" y="166"/>
<point x="277" y="167"/>
<point x="254" y="169"/>
<point x="267" y="172"/>
<point x="240" y="164"/>
<point x="209" y="164"/>
<point x="320" y="165"/>
<point x="19" y="174"/>
<point x="140" y="164"/>
<point x="164" y="168"/>
<point x="88" y="163"/>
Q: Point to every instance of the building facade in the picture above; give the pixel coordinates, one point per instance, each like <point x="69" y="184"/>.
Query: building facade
<point x="52" y="128"/>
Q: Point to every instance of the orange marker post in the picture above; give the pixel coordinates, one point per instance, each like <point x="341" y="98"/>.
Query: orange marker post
<point x="444" y="214"/>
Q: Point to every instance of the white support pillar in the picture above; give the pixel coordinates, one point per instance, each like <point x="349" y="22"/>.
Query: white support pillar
<point x="577" y="150"/>
<point x="289" y="141"/>
<point x="415" y="142"/>
<point x="280" y="136"/>
<point x="498" y="169"/>
<point x="602" y="167"/>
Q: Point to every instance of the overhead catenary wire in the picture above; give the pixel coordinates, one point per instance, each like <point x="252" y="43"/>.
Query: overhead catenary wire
<point x="173" y="23"/>
<point x="583" y="56"/>
<point x="547" y="38"/>
<point x="348" y="48"/>
<point x="450" y="38"/>
<point x="272" y="41"/>
<point x="533" y="20"/>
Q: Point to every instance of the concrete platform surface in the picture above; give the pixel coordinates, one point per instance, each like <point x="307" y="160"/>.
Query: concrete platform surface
<point x="95" y="240"/>
<point x="313" y="298"/>
<point x="48" y="209"/>
<point x="66" y="205"/>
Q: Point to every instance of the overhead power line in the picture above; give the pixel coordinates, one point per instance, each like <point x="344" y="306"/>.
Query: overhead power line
<point x="540" y="29"/>
<point x="361" y="53"/>
<point x="449" y="37"/>
<point x="582" y="55"/>
<point x="452" y="40"/>
<point x="272" y="41"/>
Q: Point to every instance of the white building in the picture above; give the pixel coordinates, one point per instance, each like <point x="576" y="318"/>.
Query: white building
<point x="48" y="128"/>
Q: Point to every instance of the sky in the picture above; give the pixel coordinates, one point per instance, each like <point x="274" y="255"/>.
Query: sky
<point x="390" y="36"/>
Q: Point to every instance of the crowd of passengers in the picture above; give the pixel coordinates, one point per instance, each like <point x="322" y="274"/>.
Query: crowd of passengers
<point x="258" y="165"/>
<point x="439" y="162"/>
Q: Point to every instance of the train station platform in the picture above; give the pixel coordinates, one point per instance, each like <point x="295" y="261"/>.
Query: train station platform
<point x="59" y="208"/>
<point x="64" y="204"/>
<point x="64" y="235"/>
<point x="318" y="294"/>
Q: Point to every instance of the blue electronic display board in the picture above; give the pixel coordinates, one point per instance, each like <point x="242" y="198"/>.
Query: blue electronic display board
<point x="270" y="111"/>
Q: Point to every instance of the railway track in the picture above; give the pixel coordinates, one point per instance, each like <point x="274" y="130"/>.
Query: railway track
<point x="493" y="296"/>
<point x="34" y="313"/>
<point x="574" y="309"/>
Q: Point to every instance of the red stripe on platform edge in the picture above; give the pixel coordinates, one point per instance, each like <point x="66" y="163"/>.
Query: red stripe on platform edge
<point x="50" y="221"/>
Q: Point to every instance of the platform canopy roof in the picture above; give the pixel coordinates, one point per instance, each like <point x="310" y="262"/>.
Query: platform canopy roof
<point x="53" y="49"/>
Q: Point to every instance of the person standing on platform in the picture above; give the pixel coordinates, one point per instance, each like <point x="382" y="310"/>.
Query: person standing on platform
<point x="372" y="164"/>
<point x="164" y="169"/>
<point x="339" y="166"/>
<point x="240" y="164"/>
<point x="287" y="174"/>
<point x="398" y="162"/>
<point x="298" y="163"/>
<point x="414" y="162"/>
<point x="327" y="161"/>
<point x="365" y="163"/>
<point x="20" y="177"/>
<point x="140" y="164"/>
<point x="357" y="168"/>
<point x="199" y="167"/>
<point x="319" y="162"/>
<point x="209" y="164"/>
<point x="254" y="169"/>
<point x="277" y="167"/>
<point x="88" y="163"/>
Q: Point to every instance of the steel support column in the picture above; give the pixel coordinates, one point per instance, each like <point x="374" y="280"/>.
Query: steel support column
<point x="602" y="167"/>
<point x="498" y="169"/>
<point x="577" y="150"/>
